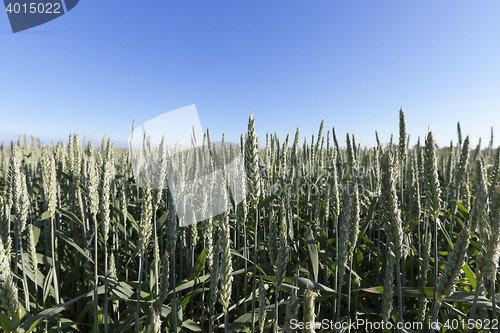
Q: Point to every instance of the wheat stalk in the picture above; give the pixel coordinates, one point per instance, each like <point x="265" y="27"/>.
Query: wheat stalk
<point x="392" y="223"/>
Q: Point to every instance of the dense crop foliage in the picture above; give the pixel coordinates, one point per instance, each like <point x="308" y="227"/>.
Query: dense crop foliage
<point x="325" y="236"/>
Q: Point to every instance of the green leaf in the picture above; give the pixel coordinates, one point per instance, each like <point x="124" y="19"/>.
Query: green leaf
<point x="161" y="221"/>
<point x="132" y="221"/>
<point x="471" y="276"/>
<point x="47" y="284"/>
<point x="179" y="315"/>
<point x="45" y="216"/>
<point x="17" y="314"/>
<point x="56" y="309"/>
<point x="190" y="283"/>
<point x="32" y="327"/>
<point x="187" y="298"/>
<point x="56" y="283"/>
<point x="122" y="289"/>
<point x="453" y="309"/>
<point x="445" y="233"/>
<point x="191" y="325"/>
<point x="6" y="323"/>
<point x="313" y="252"/>
<point x="368" y="219"/>
<point x="126" y="323"/>
<point x="284" y="285"/>
<point x="70" y="215"/>
<point x="427" y="292"/>
<point x="468" y="298"/>
<point x="88" y="308"/>
<point x="243" y="323"/>
<point x="303" y="283"/>
<point x="36" y="231"/>
<point x="464" y="212"/>
<point x="74" y="245"/>
<point x="416" y="292"/>
<point x="264" y="202"/>
<point x="200" y="264"/>
<point x="235" y="253"/>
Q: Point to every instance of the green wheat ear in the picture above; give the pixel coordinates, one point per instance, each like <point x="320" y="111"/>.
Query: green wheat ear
<point x="33" y="261"/>
<point x="226" y="266"/>
<point x="309" y="312"/>
<point x="282" y="259"/>
<point x="252" y="162"/>
<point x="145" y="225"/>
<point x="431" y="178"/>
<point x="262" y="305"/>
<point x="164" y="277"/>
<point x="8" y="290"/>
<point x="488" y="263"/>
<point x="388" y="294"/>
<point x="403" y="148"/>
<point x="453" y="266"/>
<point x="389" y="205"/>
<point x="393" y="229"/>
<point x="292" y="309"/>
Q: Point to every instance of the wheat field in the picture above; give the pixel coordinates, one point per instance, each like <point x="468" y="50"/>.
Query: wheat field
<point x="326" y="239"/>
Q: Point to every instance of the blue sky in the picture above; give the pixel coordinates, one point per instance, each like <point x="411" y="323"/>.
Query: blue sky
<point x="95" y="69"/>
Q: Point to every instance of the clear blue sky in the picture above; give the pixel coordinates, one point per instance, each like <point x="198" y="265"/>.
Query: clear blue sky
<point x="352" y="63"/>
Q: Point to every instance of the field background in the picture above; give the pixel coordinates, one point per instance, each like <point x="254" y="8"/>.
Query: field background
<point x="390" y="233"/>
